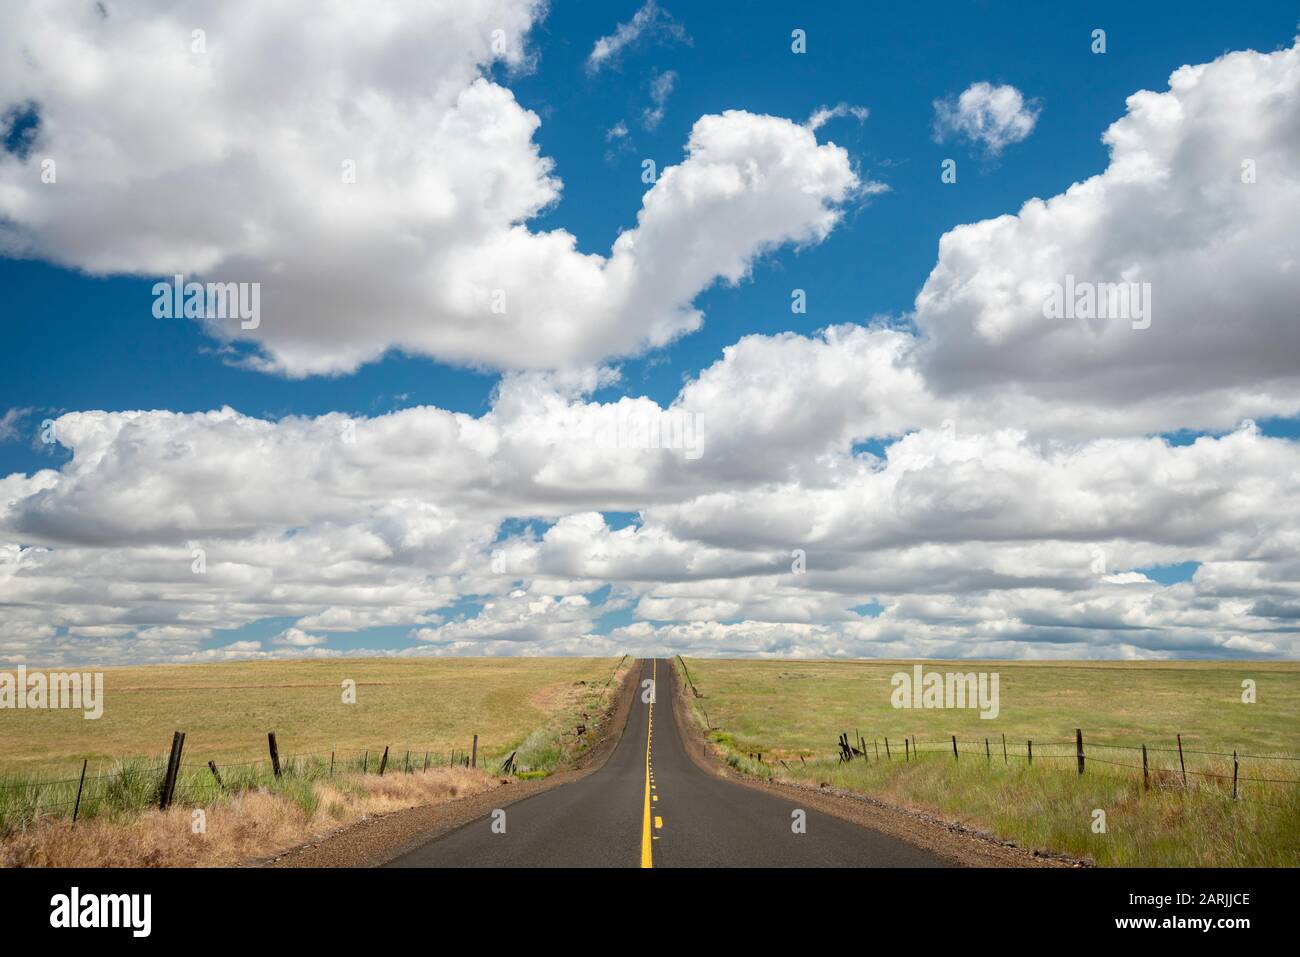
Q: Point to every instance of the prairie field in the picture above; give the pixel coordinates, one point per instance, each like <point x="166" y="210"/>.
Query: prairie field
<point x="226" y="710"/>
<point x="1182" y="813"/>
<point x="425" y="712"/>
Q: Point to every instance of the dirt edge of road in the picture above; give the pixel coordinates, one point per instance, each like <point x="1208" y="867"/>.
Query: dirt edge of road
<point x="377" y="840"/>
<point x="951" y="840"/>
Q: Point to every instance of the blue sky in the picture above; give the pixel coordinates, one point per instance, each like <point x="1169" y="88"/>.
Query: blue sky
<point x="77" y="342"/>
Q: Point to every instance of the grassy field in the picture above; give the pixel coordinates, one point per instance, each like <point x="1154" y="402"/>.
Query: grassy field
<point x="425" y="707"/>
<point x="793" y="712"/>
<point x="226" y="710"/>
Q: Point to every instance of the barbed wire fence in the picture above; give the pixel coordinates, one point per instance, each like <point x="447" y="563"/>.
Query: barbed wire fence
<point x="1229" y="776"/>
<point x="137" y="782"/>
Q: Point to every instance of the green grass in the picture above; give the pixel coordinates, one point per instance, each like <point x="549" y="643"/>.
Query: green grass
<point x="793" y="712"/>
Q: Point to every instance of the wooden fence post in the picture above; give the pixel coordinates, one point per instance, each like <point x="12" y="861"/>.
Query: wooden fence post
<point x="687" y="673"/>
<point x="1005" y="760"/>
<point x="1030" y="744"/>
<point x="887" y="754"/>
<point x="954" y="747"/>
<point x="473" y="755"/>
<point x="365" y="762"/>
<point x="988" y="755"/>
<point x="875" y="743"/>
<point x="408" y="760"/>
<point x="173" y="768"/>
<point x="212" y="766"/>
<point x="907" y="750"/>
<point x="1146" y="775"/>
<point x="1182" y="764"/>
<point x="275" y="752"/>
<point x="383" y="762"/>
<point x="1234" y="775"/>
<point x="1078" y="746"/>
<point x="331" y="764"/>
<point x="80" y="785"/>
<point x="426" y="760"/>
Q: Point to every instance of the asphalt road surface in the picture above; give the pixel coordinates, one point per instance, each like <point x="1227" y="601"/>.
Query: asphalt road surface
<point x="650" y="805"/>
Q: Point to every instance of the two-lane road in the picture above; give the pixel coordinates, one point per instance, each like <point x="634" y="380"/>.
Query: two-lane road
<point x="650" y="805"/>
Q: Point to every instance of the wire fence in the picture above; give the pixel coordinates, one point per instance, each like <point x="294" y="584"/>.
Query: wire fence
<point x="1224" y="773"/>
<point x="137" y="782"/>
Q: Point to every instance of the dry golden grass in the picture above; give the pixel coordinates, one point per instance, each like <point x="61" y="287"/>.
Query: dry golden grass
<point x="247" y="826"/>
<point x="433" y="704"/>
<point x="529" y="706"/>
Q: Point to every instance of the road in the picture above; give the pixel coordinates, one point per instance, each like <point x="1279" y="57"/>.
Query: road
<point x="650" y="805"/>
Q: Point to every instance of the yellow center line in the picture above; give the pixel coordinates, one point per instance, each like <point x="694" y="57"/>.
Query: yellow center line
<point x="647" y="858"/>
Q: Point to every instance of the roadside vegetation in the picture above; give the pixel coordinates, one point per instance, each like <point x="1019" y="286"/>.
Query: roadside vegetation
<point x="571" y="729"/>
<point x="231" y="827"/>
<point x="792" y="713"/>
<point x="245" y="809"/>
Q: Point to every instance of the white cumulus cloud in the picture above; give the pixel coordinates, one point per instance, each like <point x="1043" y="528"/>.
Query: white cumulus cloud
<point x="380" y="195"/>
<point x="991" y="116"/>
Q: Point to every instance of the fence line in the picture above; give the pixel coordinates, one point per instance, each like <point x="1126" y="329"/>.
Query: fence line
<point x="1079" y="753"/>
<point x="146" y="780"/>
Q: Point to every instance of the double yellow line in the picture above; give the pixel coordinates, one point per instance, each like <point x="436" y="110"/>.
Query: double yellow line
<point x="647" y="858"/>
